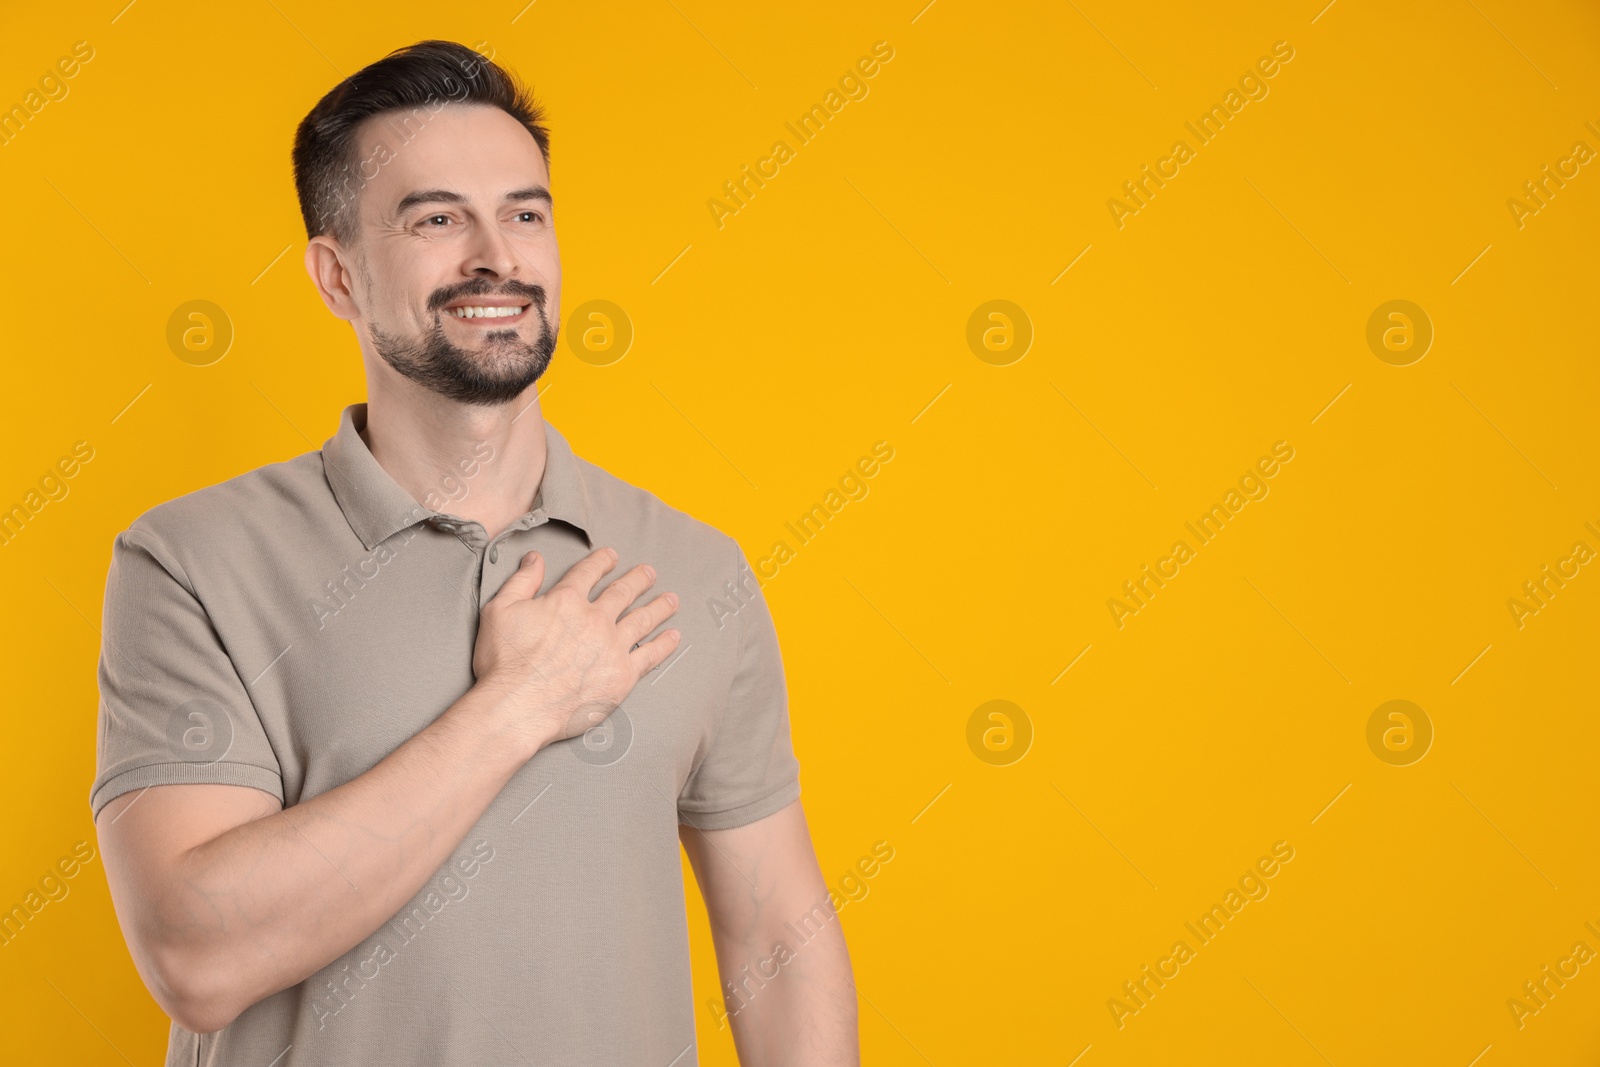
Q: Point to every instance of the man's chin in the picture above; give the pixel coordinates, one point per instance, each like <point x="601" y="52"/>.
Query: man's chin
<point x="496" y="371"/>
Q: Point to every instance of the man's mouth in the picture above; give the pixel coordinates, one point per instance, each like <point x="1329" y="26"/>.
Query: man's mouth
<point x="487" y="311"/>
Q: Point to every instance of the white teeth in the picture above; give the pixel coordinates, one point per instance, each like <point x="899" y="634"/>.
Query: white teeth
<point x="486" y="312"/>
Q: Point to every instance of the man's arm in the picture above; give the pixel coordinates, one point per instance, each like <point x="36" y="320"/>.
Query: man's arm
<point x="778" y="942"/>
<point x="224" y="899"/>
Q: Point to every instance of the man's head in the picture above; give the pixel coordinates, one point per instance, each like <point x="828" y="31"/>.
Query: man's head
<point x="424" y="184"/>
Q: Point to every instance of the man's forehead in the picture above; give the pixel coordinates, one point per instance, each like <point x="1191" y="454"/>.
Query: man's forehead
<point x="482" y="153"/>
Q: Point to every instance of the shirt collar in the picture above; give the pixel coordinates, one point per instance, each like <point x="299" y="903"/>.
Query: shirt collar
<point x="377" y="507"/>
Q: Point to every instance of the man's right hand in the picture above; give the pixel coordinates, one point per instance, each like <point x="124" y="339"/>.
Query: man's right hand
<point x="561" y="663"/>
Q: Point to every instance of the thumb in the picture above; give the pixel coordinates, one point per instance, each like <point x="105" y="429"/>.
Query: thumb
<point x="524" y="582"/>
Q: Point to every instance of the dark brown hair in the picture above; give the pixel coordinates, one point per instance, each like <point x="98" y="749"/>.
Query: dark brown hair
<point x="419" y="79"/>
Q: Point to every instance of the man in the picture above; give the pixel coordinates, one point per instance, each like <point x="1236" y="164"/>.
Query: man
<point x="395" y="754"/>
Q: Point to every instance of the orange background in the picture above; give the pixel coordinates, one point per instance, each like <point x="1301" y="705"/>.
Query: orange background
<point x="832" y="311"/>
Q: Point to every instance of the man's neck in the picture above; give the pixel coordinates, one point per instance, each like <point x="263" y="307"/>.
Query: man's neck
<point x="483" y="464"/>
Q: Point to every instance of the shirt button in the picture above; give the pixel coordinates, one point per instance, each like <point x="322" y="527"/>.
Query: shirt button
<point x="447" y="527"/>
<point x="494" y="554"/>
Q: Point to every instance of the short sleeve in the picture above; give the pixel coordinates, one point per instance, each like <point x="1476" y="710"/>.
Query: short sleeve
<point x="749" y="770"/>
<point x="173" y="708"/>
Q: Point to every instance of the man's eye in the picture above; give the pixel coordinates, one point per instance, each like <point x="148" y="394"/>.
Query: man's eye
<point x="432" y="218"/>
<point x="535" y="214"/>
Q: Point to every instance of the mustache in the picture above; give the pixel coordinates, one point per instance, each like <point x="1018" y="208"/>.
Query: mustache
<point x="534" y="294"/>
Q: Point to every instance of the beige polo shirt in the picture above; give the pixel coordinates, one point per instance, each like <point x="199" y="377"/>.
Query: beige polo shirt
<point x="289" y="628"/>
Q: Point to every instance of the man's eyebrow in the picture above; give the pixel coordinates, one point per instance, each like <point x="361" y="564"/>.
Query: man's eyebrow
<point x="532" y="192"/>
<point x="450" y="196"/>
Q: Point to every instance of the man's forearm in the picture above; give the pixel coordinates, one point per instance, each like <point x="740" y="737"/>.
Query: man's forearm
<point x="805" y="1013"/>
<point x="272" y="901"/>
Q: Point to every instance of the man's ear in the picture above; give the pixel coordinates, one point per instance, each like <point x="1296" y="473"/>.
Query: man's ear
<point x="325" y="262"/>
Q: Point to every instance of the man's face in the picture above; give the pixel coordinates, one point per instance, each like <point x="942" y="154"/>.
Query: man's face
<point x="458" y="273"/>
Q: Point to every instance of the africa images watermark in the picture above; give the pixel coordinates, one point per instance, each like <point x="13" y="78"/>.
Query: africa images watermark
<point x="451" y="489"/>
<point x="52" y="87"/>
<point x="1538" y="192"/>
<point x="383" y="947"/>
<point x="1252" y="886"/>
<point x="852" y="486"/>
<point x="1252" y="485"/>
<point x="852" y="86"/>
<point x="52" y="486"/>
<point x="1540" y="590"/>
<point x="52" y="887"/>
<point x="1253" y="86"/>
<point x="1537" y="993"/>
<point x="405" y="128"/>
<point x="851" y="887"/>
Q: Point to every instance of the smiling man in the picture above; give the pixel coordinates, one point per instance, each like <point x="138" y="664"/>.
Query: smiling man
<point x="395" y="752"/>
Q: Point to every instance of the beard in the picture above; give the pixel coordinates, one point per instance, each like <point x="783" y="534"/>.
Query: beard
<point x="496" y="373"/>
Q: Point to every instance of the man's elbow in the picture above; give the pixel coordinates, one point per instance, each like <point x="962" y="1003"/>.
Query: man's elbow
<point x="203" y="1016"/>
<point x="191" y="993"/>
<point x="200" y="1019"/>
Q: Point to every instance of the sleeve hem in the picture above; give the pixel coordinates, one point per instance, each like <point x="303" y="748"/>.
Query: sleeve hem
<point x="728" y="818"/>
<point x="268" y="781"/>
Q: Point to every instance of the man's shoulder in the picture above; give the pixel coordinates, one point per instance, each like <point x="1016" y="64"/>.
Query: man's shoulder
<point x="242" y="507"/>
<point x="659" y="523"/>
